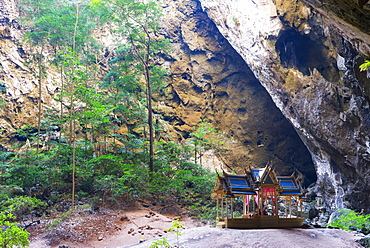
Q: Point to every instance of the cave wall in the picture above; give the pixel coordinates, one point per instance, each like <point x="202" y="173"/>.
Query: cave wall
<point x="210" y="80"/>
<point x="307" y="58"/>
<point x="18" y="82"/>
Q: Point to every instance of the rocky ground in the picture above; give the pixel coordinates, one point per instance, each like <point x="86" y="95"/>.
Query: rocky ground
<point x="106" y="228"/>
<point x="206" y="236"/>
<point x="138" y="228"/>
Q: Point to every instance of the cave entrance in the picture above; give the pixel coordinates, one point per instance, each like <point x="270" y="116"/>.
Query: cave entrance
<point x="302" y="53"/>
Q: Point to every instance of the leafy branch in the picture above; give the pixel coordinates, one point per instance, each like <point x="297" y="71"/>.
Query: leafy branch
<point x="365" y="65"/>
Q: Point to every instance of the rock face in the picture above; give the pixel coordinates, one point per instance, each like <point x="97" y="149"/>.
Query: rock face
<point x="211" y="81"/>
<point x="307" y="59"/>
<point x="18" y="83"/>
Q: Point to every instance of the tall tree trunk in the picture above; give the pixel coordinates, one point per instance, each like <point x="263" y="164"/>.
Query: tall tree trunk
<point x="149" y="96"/>
<point x="150" y="119"/>
<point x="61" y="102"/>
<point x="39" y="114"/>
<point x="72" y="120"/>
<point x="145" y="62"/>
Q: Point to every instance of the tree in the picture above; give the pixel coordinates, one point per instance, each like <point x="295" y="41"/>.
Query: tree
<point x="37" y="38"/>
<point x="138" y="23"/>
<point x="125" y="90"/>
<point x="204" y="138"/>
<point x="67" y="27"/>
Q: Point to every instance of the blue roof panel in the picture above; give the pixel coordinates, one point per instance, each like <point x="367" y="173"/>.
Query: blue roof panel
<point x="239" y="181"/>
<point x="286" y="183"/>
<point x="243" y="192"/>
<point x="290" y="193"/>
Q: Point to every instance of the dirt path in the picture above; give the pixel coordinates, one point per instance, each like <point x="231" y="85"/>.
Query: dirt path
<point x="114" y="229"/>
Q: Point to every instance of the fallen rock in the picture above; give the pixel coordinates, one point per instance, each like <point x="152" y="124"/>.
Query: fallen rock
<point x="124" y="218"/>
<point x="365" y="241"/>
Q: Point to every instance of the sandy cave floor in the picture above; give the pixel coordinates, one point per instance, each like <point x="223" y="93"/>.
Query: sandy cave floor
<point x="138" y="229"/>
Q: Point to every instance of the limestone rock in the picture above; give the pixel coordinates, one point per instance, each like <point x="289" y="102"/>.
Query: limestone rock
<point x="209" y="80"/>
<point x="294" y="57"/>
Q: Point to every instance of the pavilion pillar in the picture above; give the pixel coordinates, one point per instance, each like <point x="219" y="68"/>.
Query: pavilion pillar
<point x="286" y="207"/>
<point x="248" y="206"/>
<point x="232" y="208"/>
<point x="244" y="204"/>
<point x="262" y="201"/>
<point x="227" y="208"/>
<point x="217" y="208"/>
<point x="297" y="206"/>
<point x="259" y="203"/>
<point x="275" y="201"/>
<point x="222" y="208"/>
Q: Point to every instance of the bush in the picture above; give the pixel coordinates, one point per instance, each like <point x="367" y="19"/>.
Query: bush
<point x="204" y="211"/>
<point x="9" y="191"/>
<point x="11" y="234"/>
<point x="22" y="205"/>
<point x="350" y="220"/>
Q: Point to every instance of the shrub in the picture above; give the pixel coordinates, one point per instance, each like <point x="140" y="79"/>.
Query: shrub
<point x="160" y="243"/>
<point x="22" y="207"/>
<point x="365" y="65"/>
<point x="350" y="220"/>
<point x="176" y="229"/>
<point x="11" y="234"/>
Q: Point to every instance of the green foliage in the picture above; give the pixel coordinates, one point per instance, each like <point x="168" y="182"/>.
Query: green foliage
<point x="175" y="176"/>
<point x="204" y="211"/>
<point x="60" y="219"/>
<point x="35" y="173"/>
<point x="54" y="22"/>
<point x="365" y="65"/>
<point x="9" y="191"/>
<point x="160" y="243"/>
<point x="10" y="234"/>
<point x="2" y="103"/>
<point x="2" y="87"/>
<point x="236" y="21"/>
<point x="176" y="229"/>
<point x="349" y="220"/>
<point x="138" y="23"/>
<point x="26" y="132"/>
<point x="22" y="206"/>
<point x="204" y="138"/>
<point x="110" y="176"/>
